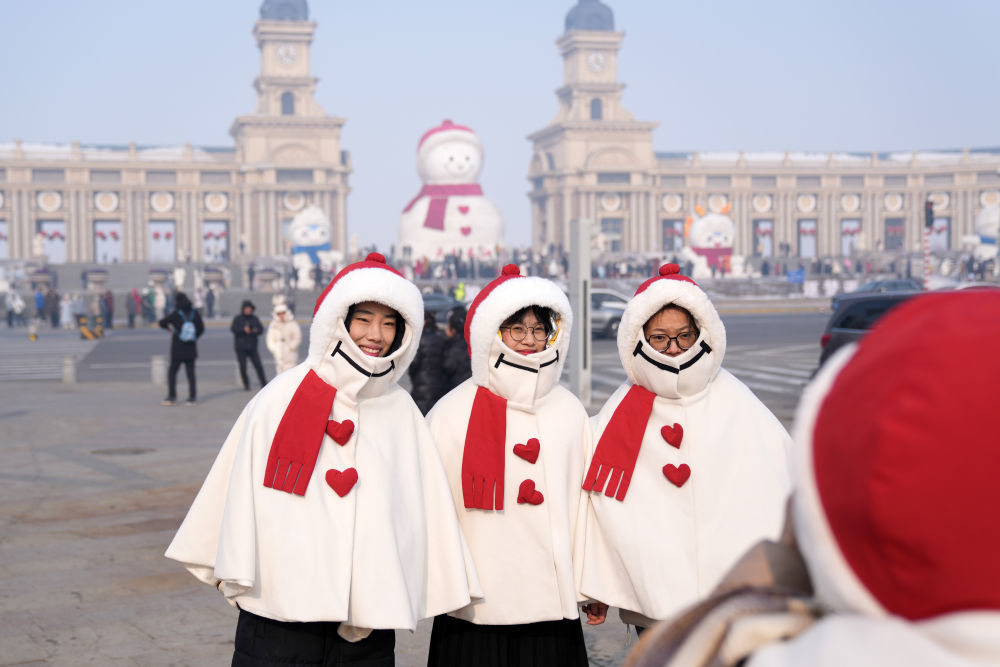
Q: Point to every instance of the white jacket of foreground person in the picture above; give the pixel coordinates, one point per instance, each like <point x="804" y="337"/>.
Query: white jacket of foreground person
<point x="689" y="468"/>
<point x="328" y="500"/>
<point x="283" y="338"/>
<point x="532" y="434"/>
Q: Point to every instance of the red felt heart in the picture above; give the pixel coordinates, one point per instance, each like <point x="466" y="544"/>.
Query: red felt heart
<point x="463" y="209"/>
<point x="528" y="451"/>
<point x="341" y="482"/>
<point x="527" y="493"/>
<point x="677" y="474"/>
<point x="673" y="435"/>
<point x="340" y="431"/>
<point x="466" y="230"/>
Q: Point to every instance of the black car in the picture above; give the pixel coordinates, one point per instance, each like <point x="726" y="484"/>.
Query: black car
<point x="855" y="314"/>
<point x="880" y="286"/>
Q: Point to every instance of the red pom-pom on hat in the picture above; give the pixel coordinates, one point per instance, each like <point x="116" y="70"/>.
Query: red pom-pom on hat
<point x="508" y="272"/>
<point x="669" y="271"/>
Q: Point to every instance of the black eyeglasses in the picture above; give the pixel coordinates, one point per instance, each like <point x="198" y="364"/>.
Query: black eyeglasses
<point x="684" y="340"/>
<point x="519" y="331"/>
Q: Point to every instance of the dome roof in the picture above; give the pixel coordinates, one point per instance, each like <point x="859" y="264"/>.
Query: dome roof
<point x="284" y="10"/>
<point x="590" y="15"/>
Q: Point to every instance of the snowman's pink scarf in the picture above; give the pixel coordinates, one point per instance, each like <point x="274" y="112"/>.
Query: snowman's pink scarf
<point x="439" y="201"/>
<point x="713" y="255"/>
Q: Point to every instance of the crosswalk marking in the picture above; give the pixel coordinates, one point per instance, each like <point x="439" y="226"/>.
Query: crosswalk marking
<point x="40" y="359"/>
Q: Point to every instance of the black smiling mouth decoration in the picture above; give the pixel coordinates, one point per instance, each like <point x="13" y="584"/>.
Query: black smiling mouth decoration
<point x="339" y="350"/>
<point x="705" y="349"/>
<point x="501" y="360"/>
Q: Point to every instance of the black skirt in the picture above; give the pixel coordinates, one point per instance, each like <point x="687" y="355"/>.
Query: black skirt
<point x="455" y="642"/>
<point x="263" y="642"/>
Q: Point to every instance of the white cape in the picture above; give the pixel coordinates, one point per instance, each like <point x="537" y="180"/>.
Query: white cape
<point x="664" y="547"/>
<point x="385" y="555"/>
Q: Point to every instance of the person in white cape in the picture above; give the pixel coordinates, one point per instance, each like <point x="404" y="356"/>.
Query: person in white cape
<point x="891" y="552"/>
<point x="690" y="469"/>
<point x="283" y="338"/>
<point x="326" y="518"/>
<point x="513" y="443"/>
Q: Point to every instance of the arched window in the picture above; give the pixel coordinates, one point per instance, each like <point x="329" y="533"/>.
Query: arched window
<point x="595" y="109"/>
<point x="287" y="104"/>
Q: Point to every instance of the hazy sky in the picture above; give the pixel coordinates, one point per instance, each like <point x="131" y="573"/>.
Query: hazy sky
<point x="716" y="74"/>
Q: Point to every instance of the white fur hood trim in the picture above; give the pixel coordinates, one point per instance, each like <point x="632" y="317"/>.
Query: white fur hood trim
<point x="503" y="301"/>
<point x="368" y="284"/>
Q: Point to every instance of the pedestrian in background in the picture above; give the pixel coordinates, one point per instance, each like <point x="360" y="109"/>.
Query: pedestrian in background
<point x="133" y="303"/>
<point x="426" y="372"/>
<point x="246" y="328"/>
<point x="186" y="325"/>
<point x="283" y="338"/>
<point x="52" y="307"/>
<point x="455" y="360"/>
<point x="108" y="309"/>
<point x="39" y="303"/>
<point x="66" y="312"/>
<point x="210" y="302"/>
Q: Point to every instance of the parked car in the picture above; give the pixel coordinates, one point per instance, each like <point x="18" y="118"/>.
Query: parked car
<point x="881" y="286"/>
<point x="606" y="308"/>
<point x="855" y="314"/>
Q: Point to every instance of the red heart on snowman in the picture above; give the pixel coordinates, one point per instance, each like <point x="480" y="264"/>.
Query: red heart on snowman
<point x="466" y="231"/>
<point x="527" y="493"/>
<point x="673" y="434"/>
<point x="677" y="474"/>
<point x="463" y="209"/>
<point x="529" y="450"/>
<point x="341" y="482"/>
<point x="340" y="431"/>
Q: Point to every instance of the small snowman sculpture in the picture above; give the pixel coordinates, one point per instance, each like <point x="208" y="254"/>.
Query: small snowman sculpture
<point x="710" y="244"/>
<point x="987" y="231"/>
<point x="309" y="234"/>
<point x="450" y="213"/>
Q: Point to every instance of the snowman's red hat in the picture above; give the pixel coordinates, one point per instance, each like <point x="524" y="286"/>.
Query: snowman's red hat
<point x="445" y="132"/>
<point x="895" y="463"/>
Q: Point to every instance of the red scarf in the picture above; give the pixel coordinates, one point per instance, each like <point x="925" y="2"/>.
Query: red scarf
<point x="483" y="455"/>
<point x="439" y="201"/>
<point x="618" y="448"/>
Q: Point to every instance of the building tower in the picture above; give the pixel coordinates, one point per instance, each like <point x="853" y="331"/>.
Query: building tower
<point x="289" y="148"/>
<point x="592" y="159"/>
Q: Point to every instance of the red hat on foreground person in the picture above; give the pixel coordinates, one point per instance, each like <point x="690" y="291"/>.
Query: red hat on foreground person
<point x="896" y="455"/>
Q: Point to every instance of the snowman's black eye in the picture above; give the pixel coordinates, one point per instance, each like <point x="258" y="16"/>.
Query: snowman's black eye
<point x="451" y="158"/>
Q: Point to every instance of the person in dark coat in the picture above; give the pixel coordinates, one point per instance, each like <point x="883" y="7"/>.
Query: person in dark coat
<point x="456" y="364"/>
<point x="426" y="372"/>
<point x="246" y="328"/>
<point x="182" y="352"/>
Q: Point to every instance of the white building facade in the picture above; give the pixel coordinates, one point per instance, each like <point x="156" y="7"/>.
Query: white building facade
<point x="107" y="204"/>
<point x="595" y="162"/>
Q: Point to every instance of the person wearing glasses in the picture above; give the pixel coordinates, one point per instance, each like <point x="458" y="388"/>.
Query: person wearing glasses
<point x="513" y="442"/>
<point x="689" y="468"/>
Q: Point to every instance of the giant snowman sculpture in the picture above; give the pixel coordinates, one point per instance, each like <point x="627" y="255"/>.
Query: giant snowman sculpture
<point x="450" y="213"/>
<point x="710" y="244"/>
<point x="309" y="234"/>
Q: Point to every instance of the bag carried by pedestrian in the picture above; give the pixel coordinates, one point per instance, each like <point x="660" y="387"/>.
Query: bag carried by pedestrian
<point x="187" y="334"/>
